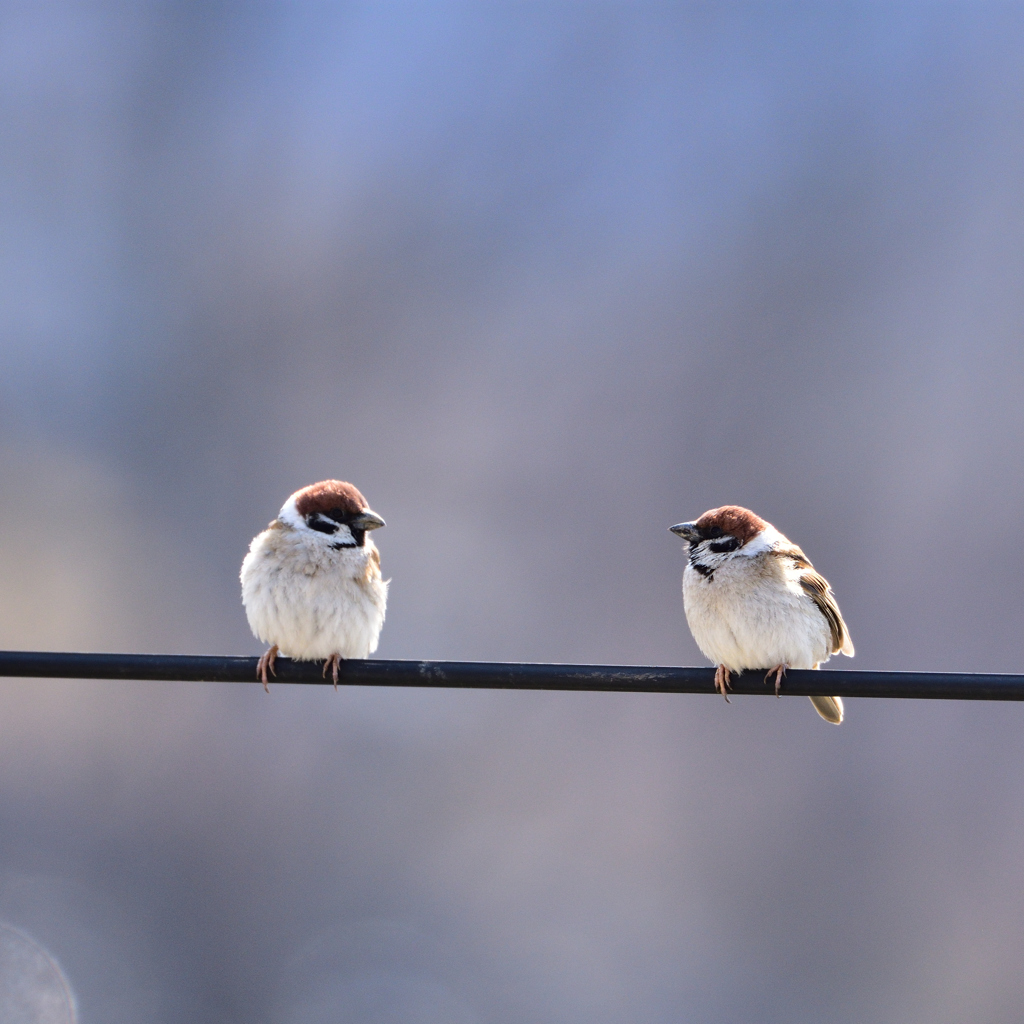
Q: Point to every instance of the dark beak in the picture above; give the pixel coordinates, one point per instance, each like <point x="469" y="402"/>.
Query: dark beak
<point x="367" y="520"/>
<point x="688" y="531"/>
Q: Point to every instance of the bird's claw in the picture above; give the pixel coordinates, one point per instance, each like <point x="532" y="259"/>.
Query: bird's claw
<point x="780" y="671"/>
<point x="333" y="661"/>
<point x="266" y="661"/>
<point x="722" y="682"/>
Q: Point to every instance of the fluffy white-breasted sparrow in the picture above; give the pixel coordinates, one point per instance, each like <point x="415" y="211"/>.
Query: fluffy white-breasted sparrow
<point x="311" y="582"/>
<point x="753" y="600"/>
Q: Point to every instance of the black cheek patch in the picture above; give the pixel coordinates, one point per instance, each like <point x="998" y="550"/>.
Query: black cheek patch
<point x="722" y="546"/>
<point x="321" y="524"/>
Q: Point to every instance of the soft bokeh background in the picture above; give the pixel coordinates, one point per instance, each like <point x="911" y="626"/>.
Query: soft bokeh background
<point x="542" y="280"/>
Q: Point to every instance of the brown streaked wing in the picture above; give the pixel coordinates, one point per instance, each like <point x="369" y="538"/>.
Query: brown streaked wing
<point x="800" y="560"/>
<point x="817" y="587"/>
<point x="372" y="566"/>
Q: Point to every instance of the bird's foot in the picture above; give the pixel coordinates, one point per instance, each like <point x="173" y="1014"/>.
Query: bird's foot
<point x="780" y="671"/>
<point x="333" y="662"/>
<point x="722" y="682"/>
<point x="266" y="661"/>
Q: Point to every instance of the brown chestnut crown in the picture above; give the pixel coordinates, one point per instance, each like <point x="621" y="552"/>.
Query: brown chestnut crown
<point x="329" y="496"/>
<point x="734" y="520"/>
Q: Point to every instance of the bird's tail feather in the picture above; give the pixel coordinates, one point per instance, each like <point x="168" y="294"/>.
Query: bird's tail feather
<point x="830" y="708"/>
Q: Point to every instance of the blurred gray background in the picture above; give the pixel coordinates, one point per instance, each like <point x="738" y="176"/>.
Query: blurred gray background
<point x="541" y="280"/>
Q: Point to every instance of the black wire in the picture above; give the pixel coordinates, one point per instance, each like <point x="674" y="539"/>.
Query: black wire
<point x="500" y="676"/>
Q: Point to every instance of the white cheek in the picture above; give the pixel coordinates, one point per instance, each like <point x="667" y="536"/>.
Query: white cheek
<point x="290" y="514"/>
<point x="708" y="558"/>
<point x="764" y="541"/>
<point x="343" y="536"/>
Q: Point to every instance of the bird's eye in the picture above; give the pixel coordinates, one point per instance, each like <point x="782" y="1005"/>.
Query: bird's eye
<point x="338" y="515"/>
<point x="712" y="532"/>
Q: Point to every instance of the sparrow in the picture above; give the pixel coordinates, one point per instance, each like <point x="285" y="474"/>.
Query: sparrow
<point x="753" y="600"/>
<point x="311" y="582"/>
